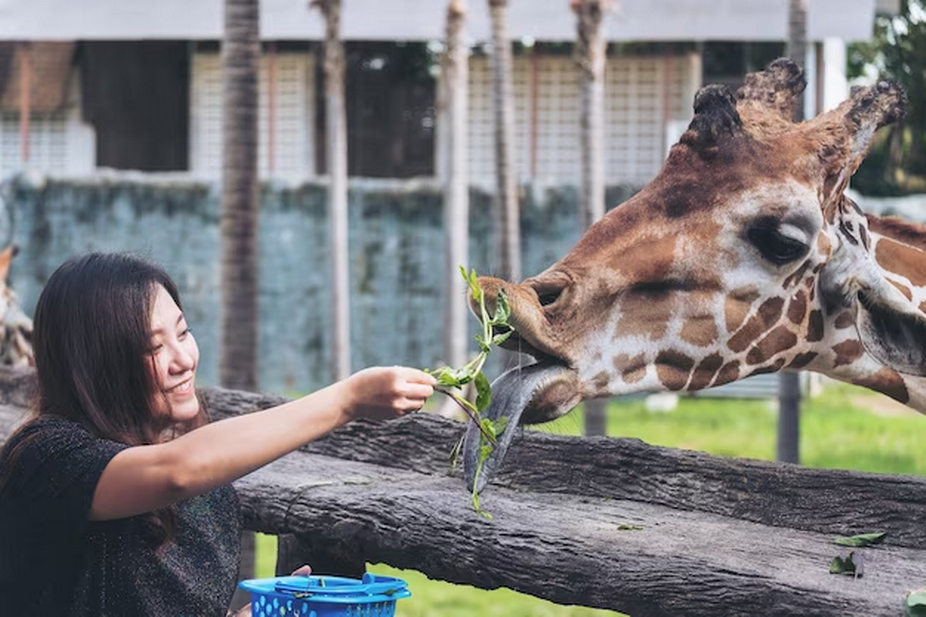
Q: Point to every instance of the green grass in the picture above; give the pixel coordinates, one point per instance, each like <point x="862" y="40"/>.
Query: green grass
<point x="439" y="599"/>
<point x="839" y="429"/>
<point x="843" y="428"/>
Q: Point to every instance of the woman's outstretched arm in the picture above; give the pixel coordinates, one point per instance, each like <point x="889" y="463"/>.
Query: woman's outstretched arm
<point x="145" y="478"/>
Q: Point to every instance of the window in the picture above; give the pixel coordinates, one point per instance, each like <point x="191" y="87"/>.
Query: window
<point x="390" y="100"/>
<point x="136" y="95"/>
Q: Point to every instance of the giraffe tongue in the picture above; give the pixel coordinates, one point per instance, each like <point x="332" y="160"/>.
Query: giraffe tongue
<point x="512" y="392"/>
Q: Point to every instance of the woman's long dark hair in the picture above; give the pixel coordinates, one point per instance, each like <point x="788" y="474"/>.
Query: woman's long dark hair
<point x="92" y="344"/>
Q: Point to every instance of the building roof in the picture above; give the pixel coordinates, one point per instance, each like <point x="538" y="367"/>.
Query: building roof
<point x="543" y="20"/>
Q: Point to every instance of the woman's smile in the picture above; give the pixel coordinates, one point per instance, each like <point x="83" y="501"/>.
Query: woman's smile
<point x="174" y="359"/>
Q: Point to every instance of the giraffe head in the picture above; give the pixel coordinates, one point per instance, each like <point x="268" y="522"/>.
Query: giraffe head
<point x="742" y="256"/>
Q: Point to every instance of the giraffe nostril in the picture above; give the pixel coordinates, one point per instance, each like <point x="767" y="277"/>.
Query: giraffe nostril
<point x="550" y="287"/>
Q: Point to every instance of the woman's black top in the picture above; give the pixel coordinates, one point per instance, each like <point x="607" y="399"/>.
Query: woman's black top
<point x="54" y="561"/>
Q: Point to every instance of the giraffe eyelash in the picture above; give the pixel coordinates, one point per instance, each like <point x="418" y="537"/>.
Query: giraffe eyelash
<point x="777" y="247"/>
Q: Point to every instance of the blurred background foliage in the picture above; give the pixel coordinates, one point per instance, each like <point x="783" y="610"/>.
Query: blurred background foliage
<point x="896" y="164"/>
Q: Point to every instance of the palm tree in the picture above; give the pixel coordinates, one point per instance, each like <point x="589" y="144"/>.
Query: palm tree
<point x="240" y="66"/>
<point x="590" y="54"/>
<point x="507" y="208"/>
<point x="454" y="175"/>
<point x="336" y="157"/>
<point x="789" y="384"/>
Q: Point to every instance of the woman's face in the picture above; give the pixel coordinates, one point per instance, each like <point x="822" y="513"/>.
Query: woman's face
<point x="174" y="358"/>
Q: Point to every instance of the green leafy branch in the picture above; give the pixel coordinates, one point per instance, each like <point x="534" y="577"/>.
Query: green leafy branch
<point x="451" y="381"/>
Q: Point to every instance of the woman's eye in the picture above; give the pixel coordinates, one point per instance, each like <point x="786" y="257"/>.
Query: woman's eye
<point x="777" y="248"/>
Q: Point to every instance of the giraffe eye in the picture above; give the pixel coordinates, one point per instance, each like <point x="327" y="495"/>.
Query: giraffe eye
<point x="775" y="246"/>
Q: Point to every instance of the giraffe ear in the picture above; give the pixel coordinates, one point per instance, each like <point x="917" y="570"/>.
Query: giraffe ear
<point x="845" y="134"/>
<point x="715" y="119"/>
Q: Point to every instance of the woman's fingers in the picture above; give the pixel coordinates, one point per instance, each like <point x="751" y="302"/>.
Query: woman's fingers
<point x="413" y="375"/>
<point x="413" y="389"/>
<point x="418" y="392"/>
<point x="383" y="392"/>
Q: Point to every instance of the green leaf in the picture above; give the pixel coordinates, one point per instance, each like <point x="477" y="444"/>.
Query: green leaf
<point x="472" y="280"/>
<point x="843" y="566"/>
<point x="453" y="378"/>
<point x="629" y="527"/>
<point x="915" y="603"/>
<point x="500" y="425"/>
<point x="502" y="309"/>
<point x="488" y="427"/>
<point x="865" y="539"/>
<point x="498" y="339"/>
<point x="483" y="391"/>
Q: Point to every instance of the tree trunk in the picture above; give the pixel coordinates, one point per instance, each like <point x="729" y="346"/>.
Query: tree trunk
<point x="454" y="174"/>
<point x="336" y="157"/>
<point x="240" y="186"/>
<point x="590" y="54"/>
<point x="797" y="43"/>
<point x="506" y="183"/>
<point x="789" y="383"/>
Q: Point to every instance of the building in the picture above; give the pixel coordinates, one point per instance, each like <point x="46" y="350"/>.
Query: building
<point x="137" y="85"/>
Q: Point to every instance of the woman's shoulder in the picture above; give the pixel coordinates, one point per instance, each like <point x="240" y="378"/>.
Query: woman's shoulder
<point x="44" y="433"/>
<point x="56" y="448"/>
<point x="49" y="426"/>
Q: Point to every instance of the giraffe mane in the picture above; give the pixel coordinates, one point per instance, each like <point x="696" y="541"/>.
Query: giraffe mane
<point x="908" y="232"/>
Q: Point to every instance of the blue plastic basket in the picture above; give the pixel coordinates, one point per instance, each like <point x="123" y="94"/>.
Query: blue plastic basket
<point x="325" y="596"/>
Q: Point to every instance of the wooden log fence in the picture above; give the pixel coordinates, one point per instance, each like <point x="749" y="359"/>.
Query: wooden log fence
<point x="601" y="522"/>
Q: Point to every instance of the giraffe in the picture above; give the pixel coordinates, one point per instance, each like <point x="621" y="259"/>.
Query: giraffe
<point x="15" y="325"/>
<point x="742" y="256"/>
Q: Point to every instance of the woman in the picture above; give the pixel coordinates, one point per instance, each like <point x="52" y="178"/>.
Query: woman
<point x="115" y="498"/>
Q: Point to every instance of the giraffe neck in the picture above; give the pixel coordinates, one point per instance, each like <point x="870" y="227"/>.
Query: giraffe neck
<point x="899" y="248"/>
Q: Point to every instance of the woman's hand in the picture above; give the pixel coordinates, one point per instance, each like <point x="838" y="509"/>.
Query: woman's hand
<point x="387" y="392"/>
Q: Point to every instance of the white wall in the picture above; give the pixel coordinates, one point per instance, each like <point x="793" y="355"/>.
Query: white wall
<point x="60" y="142"/>
<point x="294" y="130"/>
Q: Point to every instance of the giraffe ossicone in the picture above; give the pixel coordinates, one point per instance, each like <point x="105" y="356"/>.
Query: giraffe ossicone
<point x="742" y="256"/>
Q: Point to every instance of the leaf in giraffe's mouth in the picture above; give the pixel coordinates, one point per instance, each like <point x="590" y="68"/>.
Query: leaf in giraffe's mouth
<point x="893" y="337"/>
<point x="547" y="386"/>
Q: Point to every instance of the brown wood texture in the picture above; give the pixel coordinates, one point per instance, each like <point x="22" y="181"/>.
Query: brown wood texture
<point x="608" y="523"/>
